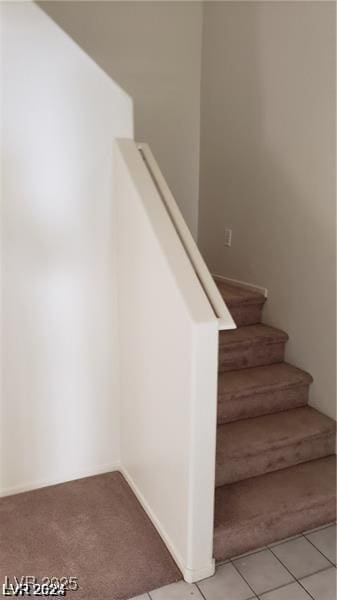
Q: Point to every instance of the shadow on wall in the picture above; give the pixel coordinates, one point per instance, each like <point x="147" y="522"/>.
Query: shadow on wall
<point x="60" y="115"/>
<point x="60" y="386"/>
<point x="268" y="168"/>
<point x="153" y="50"/>
<point x="57" y="311"/>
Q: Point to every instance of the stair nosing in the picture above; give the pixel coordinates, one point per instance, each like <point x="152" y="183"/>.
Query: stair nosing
<point x="260" y="477"/>
<point x="264" y="388"/>
<point x="243" y="343"/>
<point x="248" y="294"/>
<point x="270" y="336"/>
<point x="273" y="504"/>
<point x="278" y="443"/>
<point x="244" y="302"/>
<point x="248" y="521"/>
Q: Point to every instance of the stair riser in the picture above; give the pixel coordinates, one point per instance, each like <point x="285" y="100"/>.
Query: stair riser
<point x="246" y="315"/>
<point x="255" y="405"/>
<point x="263" y="530"/>
<point x="231" y="470"/>
<point x="232" y="358"/>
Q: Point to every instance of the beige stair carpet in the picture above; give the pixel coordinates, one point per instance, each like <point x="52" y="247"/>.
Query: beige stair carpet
<point x="275" y="465"/>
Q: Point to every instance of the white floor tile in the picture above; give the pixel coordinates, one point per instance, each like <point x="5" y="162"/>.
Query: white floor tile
<point x="289" y="592"/>
<point x="300" y="557"/>
<point x="143" y="597"/>
<point x="226" y="583"/>
<point x="262" y="571"/>
<point x="177" y="591"/>
<point x="321" y="586"/>
<point x="325" y="541"/>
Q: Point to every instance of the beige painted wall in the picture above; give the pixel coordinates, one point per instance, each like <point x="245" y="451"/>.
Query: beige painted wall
<point x="268" y="167"/>
<point x="60" y="375"/>
<point x="153" y="51"/>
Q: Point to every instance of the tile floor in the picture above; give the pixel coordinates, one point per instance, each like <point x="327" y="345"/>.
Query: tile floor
<point x="299" y="568"/>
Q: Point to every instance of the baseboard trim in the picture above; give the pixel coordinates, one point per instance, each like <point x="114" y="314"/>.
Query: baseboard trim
<point x="193" y="575"/>
<point x="243" y="284"/>
<point x="34" y="485"/>
<point x="189" y="575"/>
<point x="153" y="518"/>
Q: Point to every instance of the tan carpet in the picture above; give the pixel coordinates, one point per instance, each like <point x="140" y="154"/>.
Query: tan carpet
<point x="276" y="463"/>
<point x="93" y="529"/>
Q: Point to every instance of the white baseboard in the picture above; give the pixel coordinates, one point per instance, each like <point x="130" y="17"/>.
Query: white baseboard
<point x="153" y="518"/>
<point x="193" y="575"/>
<point x="243" y="284"/>
<point x="189" y="575"/>
<point x="34" y="485"/>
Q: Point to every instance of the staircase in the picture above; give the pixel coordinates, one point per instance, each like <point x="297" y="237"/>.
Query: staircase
<point x="275" y="464"/>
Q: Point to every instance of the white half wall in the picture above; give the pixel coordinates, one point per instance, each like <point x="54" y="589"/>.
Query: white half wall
<point x="60" y="378"/>
<point x="169" y="364"/>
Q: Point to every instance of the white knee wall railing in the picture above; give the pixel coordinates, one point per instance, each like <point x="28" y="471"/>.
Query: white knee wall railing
<point x="169" y="326"/>
<point x="220" y="309"/>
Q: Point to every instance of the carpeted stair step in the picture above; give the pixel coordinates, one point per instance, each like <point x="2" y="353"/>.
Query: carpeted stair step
<point x="245" y="305"/>
<point x="255" y="446"/>
<point x="260" y="391"/>
<point x="251" y="346"/>
<point x="262" y="510"/>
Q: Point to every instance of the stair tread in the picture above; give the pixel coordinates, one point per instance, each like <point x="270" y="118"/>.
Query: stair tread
<point x="266" y="508"/>
<point x="268" y="432"/>
<point x="252" y="334"/>
<point x="236" y="296"/>
<point x="245" y="382"/>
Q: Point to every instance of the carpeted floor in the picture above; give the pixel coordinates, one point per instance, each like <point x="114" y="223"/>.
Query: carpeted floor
<point x="93" y="529"/>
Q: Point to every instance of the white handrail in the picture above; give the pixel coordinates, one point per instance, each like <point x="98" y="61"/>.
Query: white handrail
<point x="225" y="320"/>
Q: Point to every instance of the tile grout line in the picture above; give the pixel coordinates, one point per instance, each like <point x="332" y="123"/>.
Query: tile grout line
<point x="273" y="545"/>
<point x="316" y="529"/>
<point x="292" y="575"/>
<point x="318" y="550"/>
<point x="244" y="579"/>
<point x="307" y="539"/>
<point x="200" y="591"/>
<point x="270" y="548"/>
<point x="306" y="576"/>
<point x="246" y="554"/>
<point x="279" y="587"/>
<point x="282" y="542"/>
<point x="267" y="547"/>
<point x="299" y="583"/>
<point x="297" y="580"/>
<point x="316" y="573"/>
<point x="249" y="598"/>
